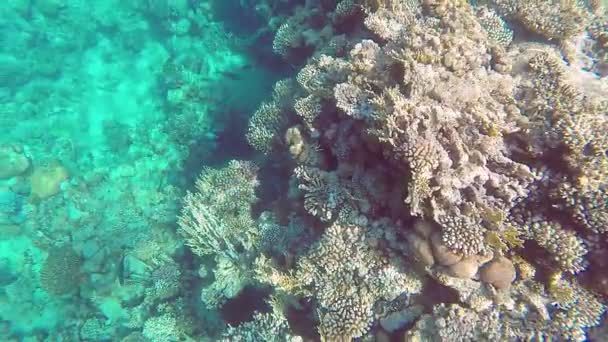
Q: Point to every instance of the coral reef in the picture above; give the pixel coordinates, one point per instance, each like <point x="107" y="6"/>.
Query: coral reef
<point x="488" y="156"/>
<point x="422" y="170"/>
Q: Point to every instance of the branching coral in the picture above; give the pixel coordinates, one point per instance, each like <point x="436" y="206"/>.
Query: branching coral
<point x="577" y="309"/>
<point x="536" y="315"/>
<point x="346" y="275"/>
<point x="440" y="94"/>
<point x="570" y="118"/>
<point x="495" y="26"/>
<point x="323" y="194"/>
<point x="565" y="248"/>
<point x="286" y="37"/>
<point x="263" y="327"/>
<point x="263" y="126"/>
<point x="216" y="220"/>
<point x="456" y="323"/>
<point x="320" y="74"/>
<point x="312" y="28"/>
<point x="463" y="236"/>
<point x="60" y="273"/>
<point x="588" y="208"/>
<point x="268" y="121"/>
<point x="553" y="19"/>
<point x="162" y="328"/>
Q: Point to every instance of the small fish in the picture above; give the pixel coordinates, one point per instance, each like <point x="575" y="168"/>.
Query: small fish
<point x="231" y="75"/>
<point x="120" y="268"/>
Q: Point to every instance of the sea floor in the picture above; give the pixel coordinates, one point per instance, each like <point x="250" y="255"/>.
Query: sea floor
<point x="108" y="109"/>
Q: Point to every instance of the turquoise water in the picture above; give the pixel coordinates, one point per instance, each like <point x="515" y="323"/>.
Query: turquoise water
<point x="180" y="170"/>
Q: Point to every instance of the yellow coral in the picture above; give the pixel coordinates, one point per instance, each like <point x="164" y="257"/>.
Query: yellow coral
<point x="525" y="270"/>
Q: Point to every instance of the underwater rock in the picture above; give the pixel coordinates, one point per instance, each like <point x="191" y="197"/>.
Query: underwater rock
<point x="499" y="272"/>
<point x="50" y="8"/>
<point x="9" y="231"/>
<point x="424" y="228"/>
<point x="46" y="180"/>
<point x="421" y="248"/>
<point x="8" y="205"/>
<point x="442" y="254"/>
<point x="12" y="161"/>
<point x="7" y="276"/>
<point x="397" y="320"/>
<point x="381" y="336"/>
<point x="464" y="269"/>
<point x="12" y="71"/>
